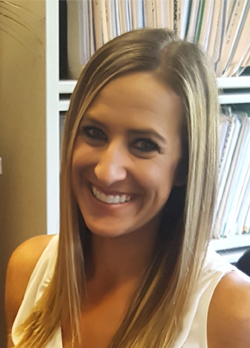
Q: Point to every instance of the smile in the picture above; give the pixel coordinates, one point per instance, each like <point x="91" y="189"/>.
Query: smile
<point x="110" y="199"/>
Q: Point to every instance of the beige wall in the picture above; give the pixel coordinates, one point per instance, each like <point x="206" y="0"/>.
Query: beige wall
<point x="22" y="128"/>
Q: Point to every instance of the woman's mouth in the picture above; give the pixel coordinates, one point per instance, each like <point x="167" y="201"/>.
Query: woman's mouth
<point x="110" y="199"/>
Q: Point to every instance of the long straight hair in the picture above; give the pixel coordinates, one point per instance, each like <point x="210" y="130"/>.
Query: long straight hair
<point x="158" y="306"/>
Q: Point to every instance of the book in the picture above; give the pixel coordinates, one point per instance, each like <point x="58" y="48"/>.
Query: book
<point x="246" y="61"/>
<point x="228" y="11"/>
<point x="184" y="13"/>
<point x="226" y="159"/>
<point x="91" y="28"/>
<point x="176" y="14"/>
<point x="240" y="201"/>
<point x="232" y="34"/>
<point x="181" y="16"/>
<point x="129" y="14"/>
<point x="160" y="13"/>
<point x="237" y="173"/>
<point x="225" y="131"/>
<point x="192" y="24"/>
<point x="117" y="18"/>
<point x="246" y="225"/>
<point x="229" y="145"/>
<point x="122" y="18"/>
<point x="206" y="25"/>
<point x="170" y="14"/>
<point x="97" y="18"/>
<point x="242" y="48"/>
<point x="111" y="19"/>
<point x="199" y="20"/>
<point x="225" y="14"/>
<point x="78" y="37"/>
<point x="137" y="14"/>
<point x="217" y="31"/>
<point x="149" y="14"/>
<point x="105" y="20"/>
<point x="225" y="123"/>
<point x="243" y="204"/>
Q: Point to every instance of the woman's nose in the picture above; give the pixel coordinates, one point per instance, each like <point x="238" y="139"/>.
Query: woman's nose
<point x="111" y="166"/>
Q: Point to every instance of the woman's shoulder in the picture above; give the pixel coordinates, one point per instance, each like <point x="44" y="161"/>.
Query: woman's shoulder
<point x="229" y="313"/>
<point x="19" y="270"/>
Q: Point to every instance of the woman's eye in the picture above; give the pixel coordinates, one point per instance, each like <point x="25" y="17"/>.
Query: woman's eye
<point x="93" y="133"/>
<point x="146" y="145"/>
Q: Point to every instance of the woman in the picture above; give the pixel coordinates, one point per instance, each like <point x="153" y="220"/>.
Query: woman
<point x="138" y="184"/>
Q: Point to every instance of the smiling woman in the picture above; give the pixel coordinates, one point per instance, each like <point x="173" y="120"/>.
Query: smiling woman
<point x="131" y="267"/>
<point x="127" y="155"/>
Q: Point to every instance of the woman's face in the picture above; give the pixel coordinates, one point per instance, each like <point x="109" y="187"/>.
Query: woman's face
<point x="127" y="155"/>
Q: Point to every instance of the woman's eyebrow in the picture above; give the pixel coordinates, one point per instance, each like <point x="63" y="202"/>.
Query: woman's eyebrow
<point x="147" y="133"/>
<point x="89" y="118"/>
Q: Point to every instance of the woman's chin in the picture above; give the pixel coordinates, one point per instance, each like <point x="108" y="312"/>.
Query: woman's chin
<point x="106" y="231"/>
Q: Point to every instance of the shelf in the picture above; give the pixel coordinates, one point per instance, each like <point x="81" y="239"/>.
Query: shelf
<point x="232" y="256"/>
<point x="223" y="99"/>
<point x="231" y="248"/>
<point x="52" y="129"/>
<point x="63" y="105"/>
<point x="234" y="98"/>
<point x="67" y="87"/>
<point x="233" y="82"/>
<point x="231" y="242"/>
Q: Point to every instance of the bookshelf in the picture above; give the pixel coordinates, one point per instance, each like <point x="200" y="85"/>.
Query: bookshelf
<point x="66" y="87"/>
<point x="232" y="247"/>
<point x="58" y="96"/>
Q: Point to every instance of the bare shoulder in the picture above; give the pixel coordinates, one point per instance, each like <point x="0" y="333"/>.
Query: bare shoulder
<point x="19" y="270"/>
<point x="229" y="313"/>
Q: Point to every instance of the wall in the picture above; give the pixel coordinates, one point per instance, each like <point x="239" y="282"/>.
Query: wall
<point x="22" y="129"/>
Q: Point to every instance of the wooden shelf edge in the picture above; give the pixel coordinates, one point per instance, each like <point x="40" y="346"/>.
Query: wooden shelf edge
<point x="67" y="86"/>
<point x="234" y="98"/>
<point x="232" y="242"/>
<point x="233" y="82"/>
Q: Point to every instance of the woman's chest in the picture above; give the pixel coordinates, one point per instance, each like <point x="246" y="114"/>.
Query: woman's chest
<point x="98" y="325"/>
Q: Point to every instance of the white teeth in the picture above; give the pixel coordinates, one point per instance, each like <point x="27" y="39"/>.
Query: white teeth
<point x="116" y="199"/>
<point x="123" y="198"/>
<point x="110" y="199"/>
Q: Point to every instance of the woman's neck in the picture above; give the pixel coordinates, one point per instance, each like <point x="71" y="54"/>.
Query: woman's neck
<point x="121" y="259"/>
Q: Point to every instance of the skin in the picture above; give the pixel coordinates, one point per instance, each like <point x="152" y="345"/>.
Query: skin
<point x="115" y="151"/>
<point x="112" y="160"/>
<point x="20" y="268"/>
<point x="228" y="323"/>
<point x="129" y="143"/>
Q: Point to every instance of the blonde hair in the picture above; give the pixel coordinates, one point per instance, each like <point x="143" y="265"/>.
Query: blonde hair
<point x="156" y="312"/>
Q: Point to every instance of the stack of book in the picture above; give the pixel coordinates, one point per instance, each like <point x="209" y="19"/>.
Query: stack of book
<point x="232" y="213"/>
<point x="219" y="27"/>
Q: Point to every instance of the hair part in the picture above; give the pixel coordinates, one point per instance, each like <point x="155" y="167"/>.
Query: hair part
<point x="157" y="309"/>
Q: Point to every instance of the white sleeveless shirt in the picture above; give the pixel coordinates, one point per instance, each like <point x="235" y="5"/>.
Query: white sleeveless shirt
<point x="194" y="328"/>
